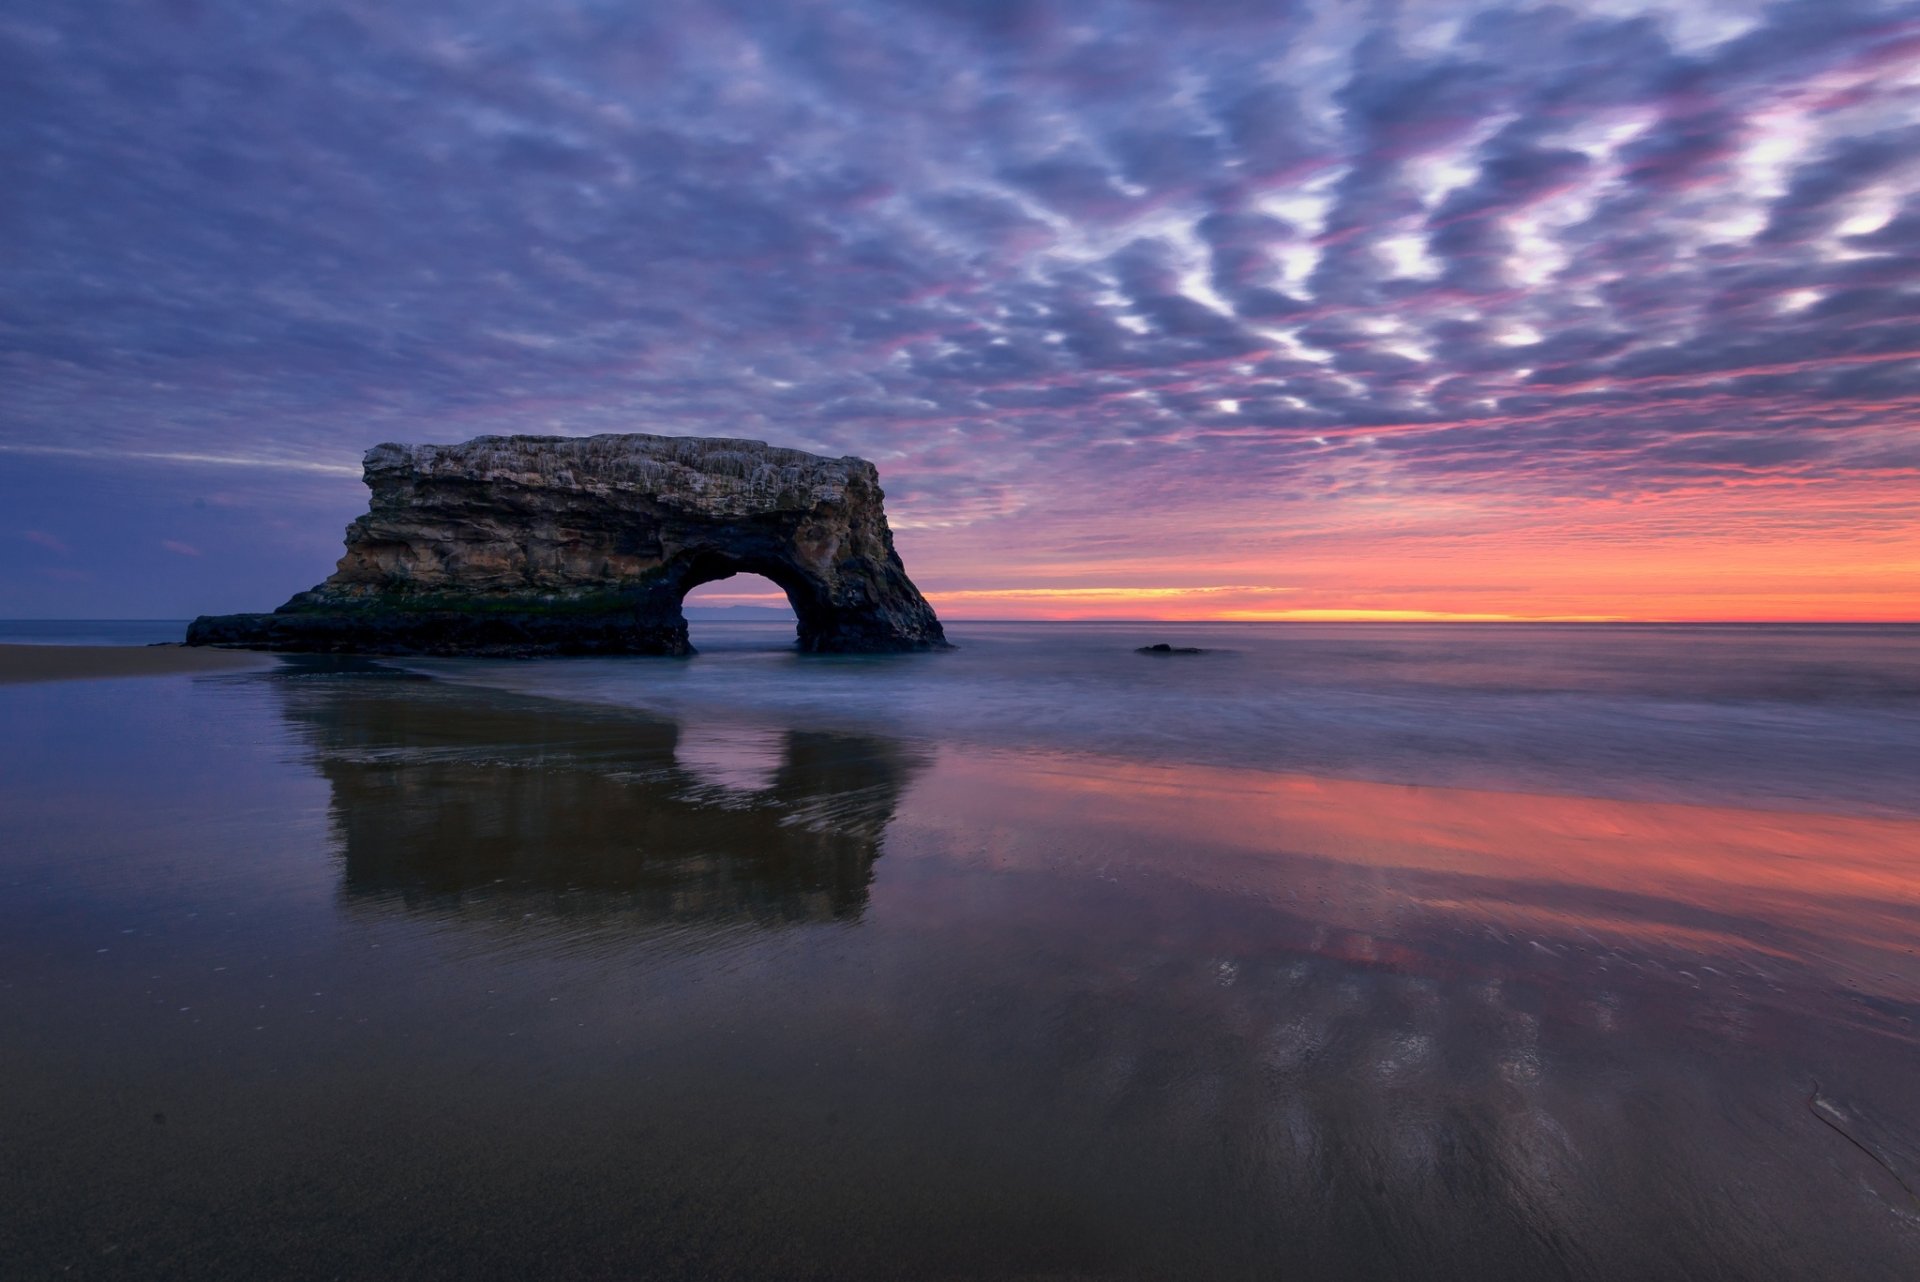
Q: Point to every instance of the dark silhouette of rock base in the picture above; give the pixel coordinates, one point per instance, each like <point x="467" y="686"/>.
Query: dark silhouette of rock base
<point x="526" y="545"/>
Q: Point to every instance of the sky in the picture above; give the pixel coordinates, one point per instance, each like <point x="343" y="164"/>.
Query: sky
<point x="1144" y="308"/>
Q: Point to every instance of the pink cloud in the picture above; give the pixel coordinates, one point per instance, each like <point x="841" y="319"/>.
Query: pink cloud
<point x="178" y="548"/>
<point x="45" y="540"/>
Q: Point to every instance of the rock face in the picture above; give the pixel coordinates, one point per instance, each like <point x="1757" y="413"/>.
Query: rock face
<point x="522" y="545"/>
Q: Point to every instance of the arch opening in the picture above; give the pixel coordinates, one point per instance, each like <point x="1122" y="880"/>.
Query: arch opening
<point x="837" y="607"/>
<point x="740" y="609"/>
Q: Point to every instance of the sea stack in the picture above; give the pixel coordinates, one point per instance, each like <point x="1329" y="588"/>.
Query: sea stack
<point x="529" y="545"/>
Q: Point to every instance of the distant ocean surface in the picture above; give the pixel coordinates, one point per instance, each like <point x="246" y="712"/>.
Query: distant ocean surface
<point x="1799" y="717"/>
<point x="91" y="631"/>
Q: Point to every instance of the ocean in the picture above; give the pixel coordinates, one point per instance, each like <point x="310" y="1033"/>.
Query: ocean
<point x="91" y="631"/>
<point x="1762" y="715"/>
<point x="1357" y="951"/>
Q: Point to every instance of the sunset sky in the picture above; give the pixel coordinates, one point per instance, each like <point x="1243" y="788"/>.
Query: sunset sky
<point x="1145" y="308"/>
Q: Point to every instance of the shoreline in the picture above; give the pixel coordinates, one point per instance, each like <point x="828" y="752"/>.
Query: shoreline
<point x="22" y="664"/>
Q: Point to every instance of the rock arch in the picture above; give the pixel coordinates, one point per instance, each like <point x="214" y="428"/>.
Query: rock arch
<point x="588" y="545"/>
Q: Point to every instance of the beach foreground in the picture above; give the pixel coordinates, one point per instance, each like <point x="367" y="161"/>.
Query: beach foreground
<point x="335" y="969"/>
<point x="25" y="663"/>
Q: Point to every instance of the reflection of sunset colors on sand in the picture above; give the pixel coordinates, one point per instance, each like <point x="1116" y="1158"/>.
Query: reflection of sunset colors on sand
<point x="1840" y="893"/>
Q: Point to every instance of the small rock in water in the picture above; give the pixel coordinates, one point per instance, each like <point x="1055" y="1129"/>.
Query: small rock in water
<point x="1164" y="648"/>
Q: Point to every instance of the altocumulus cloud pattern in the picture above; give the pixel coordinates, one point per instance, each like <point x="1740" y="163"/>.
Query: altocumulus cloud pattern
<point x="1294" y="268"/>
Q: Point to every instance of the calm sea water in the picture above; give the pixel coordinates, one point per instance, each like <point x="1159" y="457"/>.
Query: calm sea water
<point x="1763" y="715"/>
<point x="91" y="631"/>
<point x="1338" y="952"/>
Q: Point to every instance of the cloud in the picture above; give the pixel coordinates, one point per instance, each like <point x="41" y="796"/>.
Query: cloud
<point x="41" y="538"/>
<point x="265" y="462"/>
<point x="178" y="548"/>
<point x="1019" y="252"/>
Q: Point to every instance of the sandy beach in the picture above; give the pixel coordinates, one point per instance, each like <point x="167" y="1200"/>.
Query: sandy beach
<point x="23" y="663"/>
<point x="765" y="967"/>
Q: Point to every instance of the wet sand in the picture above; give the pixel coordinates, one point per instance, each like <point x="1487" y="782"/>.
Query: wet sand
<point x="340" y="971"/>
<point x="28" y="663"/>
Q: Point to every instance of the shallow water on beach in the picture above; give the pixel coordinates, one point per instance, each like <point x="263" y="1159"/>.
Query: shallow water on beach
<point x="1768" y="715"/>
<point x="1037" y="959"/>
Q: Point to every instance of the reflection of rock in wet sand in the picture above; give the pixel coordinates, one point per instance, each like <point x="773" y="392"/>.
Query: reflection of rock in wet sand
<point x="448" y="800"/>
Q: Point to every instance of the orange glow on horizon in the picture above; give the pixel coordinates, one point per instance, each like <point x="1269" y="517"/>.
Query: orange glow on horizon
<point x="1788" y="551"/>
<point x="1245" y="605"/>
<point x="1162" y="606"/>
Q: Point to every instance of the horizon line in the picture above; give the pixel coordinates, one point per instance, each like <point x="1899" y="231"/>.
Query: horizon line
<point x="1460" y="620"/>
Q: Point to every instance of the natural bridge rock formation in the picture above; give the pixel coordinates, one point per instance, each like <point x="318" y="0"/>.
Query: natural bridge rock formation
<point x="521" y="545"/>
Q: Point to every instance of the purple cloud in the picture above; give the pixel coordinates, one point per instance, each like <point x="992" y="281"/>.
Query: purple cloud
<point x="1011" y="250"/>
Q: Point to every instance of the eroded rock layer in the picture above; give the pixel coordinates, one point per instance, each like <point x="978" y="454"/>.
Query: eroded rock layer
<point x="586" y="545"/>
